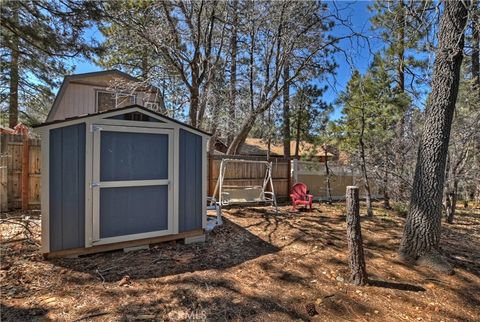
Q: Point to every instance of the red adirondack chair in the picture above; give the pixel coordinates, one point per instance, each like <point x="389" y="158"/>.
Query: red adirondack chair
<point x="300" y="195"/>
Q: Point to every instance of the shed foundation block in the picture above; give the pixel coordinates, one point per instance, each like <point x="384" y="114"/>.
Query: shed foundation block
<point x="194" y="239"/>
<point x="135" y="248"/>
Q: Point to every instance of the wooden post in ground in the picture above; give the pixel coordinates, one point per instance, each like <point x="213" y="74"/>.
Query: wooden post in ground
<point x="356" y="257"/>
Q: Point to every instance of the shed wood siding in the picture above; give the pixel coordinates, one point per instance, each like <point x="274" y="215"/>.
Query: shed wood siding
<point x="190" y="181"/>
<point x="67" y="187"/>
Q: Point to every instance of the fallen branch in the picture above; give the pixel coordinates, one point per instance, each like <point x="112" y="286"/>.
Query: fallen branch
<point x="93" y="315"/>
<point x="13" y="241"/>
<point x="101" y="276"/>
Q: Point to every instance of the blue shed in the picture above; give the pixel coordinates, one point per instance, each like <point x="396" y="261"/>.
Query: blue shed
<point x="121" y="178"/>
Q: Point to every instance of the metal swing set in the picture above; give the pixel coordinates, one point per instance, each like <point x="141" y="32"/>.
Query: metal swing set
<point x="239" y="195"/>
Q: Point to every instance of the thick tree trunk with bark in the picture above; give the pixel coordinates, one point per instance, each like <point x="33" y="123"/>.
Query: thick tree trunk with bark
<point x="354" y="238"/>
<point x="421" y="235"/>
<point x="194" y="104"/>
<point x="14" y="77"/>
<point x="242" y="135"/>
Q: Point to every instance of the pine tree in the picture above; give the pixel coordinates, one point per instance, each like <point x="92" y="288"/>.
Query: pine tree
<point x="37" y="40"/>
<point x="405" y="29"/>
<point x="371" y="109"/>
<point x="309" y="115"/>
<point x="421" y="235"/>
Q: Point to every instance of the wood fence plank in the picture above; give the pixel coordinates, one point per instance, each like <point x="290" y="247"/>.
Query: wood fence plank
<point x="12" y="148"/>
<point x="3" y="184"/>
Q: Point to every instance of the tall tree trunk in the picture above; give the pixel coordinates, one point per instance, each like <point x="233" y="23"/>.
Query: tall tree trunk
<point x="286" y="114"/>
<point x="233" y="74"/>
<point x="242" y="135"/>
<point x="400" y="155"/>
<point x="386" y="197"/>
<point x="14" y="76"/>
<point x="475" y="27"/>
<point x="327" y="172"/>
<point x="194" y="104"/>
<point x="452" y="201"/>
<point x="297" y="137"/>
<point x="363" y="165"/>
<point x="421" y="235"/>
<point x="401" y="48"/>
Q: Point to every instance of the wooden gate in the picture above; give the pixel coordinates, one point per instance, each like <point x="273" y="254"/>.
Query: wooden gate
<point x="13" y="181"/>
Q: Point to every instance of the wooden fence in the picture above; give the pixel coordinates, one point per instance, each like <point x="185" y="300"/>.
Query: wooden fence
<point x="12" y="154"/>
<point x="249" y="174"/>
<point x="15" y="161"/>
<point x="314" y="175"/>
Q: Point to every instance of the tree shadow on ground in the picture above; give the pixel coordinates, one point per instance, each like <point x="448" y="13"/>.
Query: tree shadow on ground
<point x="226" y="304"/>
<point x="461" y="242"/>
<point x="396" y="286"/>
<point x="227" y="246"/>
<point x="12" y="313"/>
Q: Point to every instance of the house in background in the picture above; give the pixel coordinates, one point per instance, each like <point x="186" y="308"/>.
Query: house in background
<point x="95" y="92"/>
<point x="259" y="148"/>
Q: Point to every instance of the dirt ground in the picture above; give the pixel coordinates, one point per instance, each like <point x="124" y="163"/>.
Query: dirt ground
<point x="259" y="266"/>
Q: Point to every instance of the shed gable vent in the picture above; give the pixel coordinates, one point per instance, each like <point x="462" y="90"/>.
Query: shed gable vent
<point x="135" y="116"/>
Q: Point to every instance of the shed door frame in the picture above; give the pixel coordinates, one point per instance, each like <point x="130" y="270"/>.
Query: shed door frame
<point x="97" y="184"/>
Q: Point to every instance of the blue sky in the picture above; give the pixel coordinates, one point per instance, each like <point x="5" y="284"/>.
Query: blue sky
<point x="357" y="49"/>
<point x="355" y="11"/>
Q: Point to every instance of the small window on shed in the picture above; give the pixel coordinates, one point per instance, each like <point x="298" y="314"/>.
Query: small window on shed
<point x="108" y="100"/>
<point x="105" y="101"/>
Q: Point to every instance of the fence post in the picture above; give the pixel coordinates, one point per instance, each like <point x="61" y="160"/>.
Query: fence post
<point x="354" y="238"/>
<point x="25" y="170"/>
<point x="295" y="170"/>
<point x="3" y="183"/>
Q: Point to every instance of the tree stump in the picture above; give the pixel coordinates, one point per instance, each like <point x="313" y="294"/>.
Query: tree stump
<point x="356" y="257"/>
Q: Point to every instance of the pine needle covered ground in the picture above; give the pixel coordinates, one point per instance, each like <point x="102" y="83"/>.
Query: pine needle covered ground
<point x="258" y="266"/>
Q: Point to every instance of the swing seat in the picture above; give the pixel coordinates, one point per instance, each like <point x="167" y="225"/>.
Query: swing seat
<point x="238" y="195"/>
<point x="245" y="194"/>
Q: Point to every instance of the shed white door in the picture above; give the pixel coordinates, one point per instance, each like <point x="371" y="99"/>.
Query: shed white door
<point x="132" y="183"/>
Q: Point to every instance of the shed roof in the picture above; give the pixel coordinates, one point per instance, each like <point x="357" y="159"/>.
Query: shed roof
<point x="134" y="106"/>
